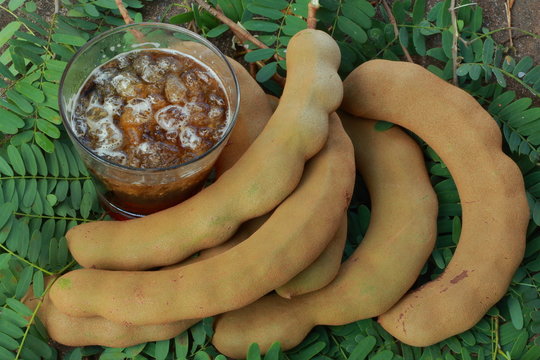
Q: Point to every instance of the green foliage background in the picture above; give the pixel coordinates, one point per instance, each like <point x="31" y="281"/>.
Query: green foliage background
<point x="45" y="189"/>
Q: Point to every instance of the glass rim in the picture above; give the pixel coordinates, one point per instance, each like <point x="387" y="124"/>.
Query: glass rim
<point x="90" y="152"/>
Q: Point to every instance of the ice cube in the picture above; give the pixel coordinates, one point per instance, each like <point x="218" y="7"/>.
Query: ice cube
<point x="172" y="117"/>
<point x="104" y="76"/>
<point x="189" y="138"/>
<point x="215" y="99"/>
<point x="137" y="111"/>
<point x="157" y="101"/>
<point x="153" y="74"/>
<point x="113" y="105"/>
<point x="216" y="113"/>
<point x="175" y="89"/>
<point x="191" y="80"/>
<point x="140" y="62"/>
<point x="127" y="84"/>
<point x="95" y="113"/>
<point x="169" y="64"/>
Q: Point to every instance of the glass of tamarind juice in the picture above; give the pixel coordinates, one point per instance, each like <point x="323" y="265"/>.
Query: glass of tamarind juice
<point x="149" y="107"/>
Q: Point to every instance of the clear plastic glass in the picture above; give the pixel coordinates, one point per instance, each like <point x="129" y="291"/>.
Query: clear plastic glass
<point x="125" y="191"/>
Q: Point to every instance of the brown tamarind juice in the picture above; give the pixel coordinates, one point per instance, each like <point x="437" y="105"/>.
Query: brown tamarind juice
<point x="149" y="110"/>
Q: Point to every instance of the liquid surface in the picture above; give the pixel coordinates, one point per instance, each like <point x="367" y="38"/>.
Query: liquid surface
<point x="151" y="109"/>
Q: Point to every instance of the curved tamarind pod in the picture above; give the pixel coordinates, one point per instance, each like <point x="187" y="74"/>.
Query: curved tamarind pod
<point x="399" y="240"/>
<point x="266" y="174"/>
<point x="254" y="113"/>
<point x="294" y="236"/>
<point x="73" y="331"/>
<point x="489" y="183"/>
<point x="322" y="271"/>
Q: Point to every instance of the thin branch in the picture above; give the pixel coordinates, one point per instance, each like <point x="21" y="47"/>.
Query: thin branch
<point x="396" y="31"/>
<point x="56" y="6"/>
<point x="124" y="12"/>
<point x="455" y="37"/>
<point x="240" y="33"/>
<point x="313" y="6"/>
<point x="508" y="6"/>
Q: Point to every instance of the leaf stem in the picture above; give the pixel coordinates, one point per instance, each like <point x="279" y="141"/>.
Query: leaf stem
<point x="51" y="217"/>
<point x="455" y="36"/>
<point x="512" y="76"/>
<point x="39" y="177"/>
<point x="24" y="260"/>
<point x="16" y="17"/>
<point x="396" y="30"/>
<point x="313" y="6"/>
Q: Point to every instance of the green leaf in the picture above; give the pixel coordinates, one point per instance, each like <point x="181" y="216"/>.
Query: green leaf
<point x="273" y="4"/>
<point x="419" y="42"/>
<point x="487" y="53"/>
<point x="363" y="348"/>
<point x="427" y="28"/>
<point x="181" y="345"/>
<point x="15" y="304"/>
<point x="16" y="160"/>
<point x="86" y="205"/>
<point x="447" y="38"/>
<point x="508" y="64"/>
<point x="475" y="71"/>
<point x="254" y="352"/>
<point x="533" y="76"/>
<point x="265" y="11"/>
<point x="21" y="102"/>
<point x="7" y="342"/>
<point x="523" y="66"/>
<point x="259" y="54"/>
<point x="499" y="76"/>
<point x="351" y="11"/>
<point x="8" y="31"/>
<point x="365" y="7"/>
<point x="91" y="10"/>
<point x="260" y="25"/>
<point x="6" y="211"/>
<point x="383" y="355"/>
<point x="351" y="29"/>
<point x="29" y="159"/>
<point x="22" y="287"/>
<point x="182" y="18"/>
<point x="10" y="122"/>
<point x="477" y="20"/>
<point x="30" y="91"/>
<point x="501" y="101"/>
<point x="162" y="349"/>
<point x="266" y="72"/>
<point x="48" y="128"/>
<point x="419" y="9"/>
<point x="383" y="125"/>
<point x="15" y="4"/>
<point x="31" y="6"/>
<point x="69" y="39"/>
<point x="515" y="107"/>
<point x="273" y="351"/>
<point x="44" y="142"/>
<point x="229" y="9"/>
<point x="404" y="37"/>
<point x="49" y="115"/>
<point x="217" y="31"/>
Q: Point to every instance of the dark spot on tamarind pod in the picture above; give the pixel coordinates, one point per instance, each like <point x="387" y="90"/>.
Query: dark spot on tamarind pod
<point x="443" y="290"/>
<point x="459" y="277"/>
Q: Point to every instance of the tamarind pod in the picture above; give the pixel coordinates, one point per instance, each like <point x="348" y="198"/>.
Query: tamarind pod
<point x="266" y="174"/>
<point x="322" y="271"/>
<point x="489" y="183"/>
<point x="244" y="232"/>
<point x="73" y="331"/>
<point x="253" y="114"/>
<point x="292" y="238"/>
<point x="399" y="240"/>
